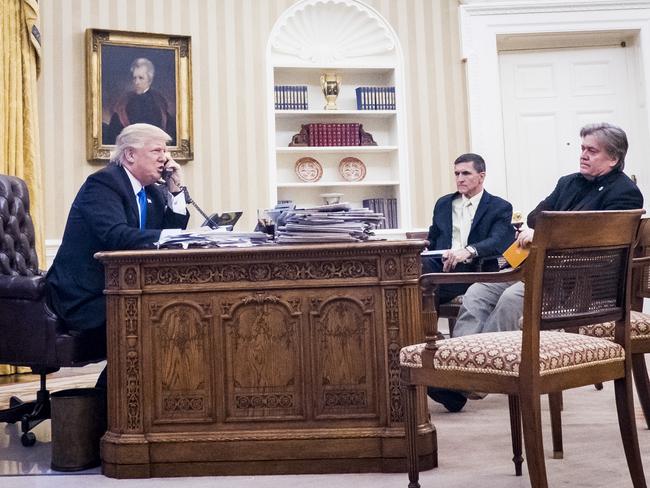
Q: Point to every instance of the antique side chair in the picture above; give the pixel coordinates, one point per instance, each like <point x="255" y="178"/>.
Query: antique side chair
<point x="639" y="333"/>
<point x="578" y="273"/>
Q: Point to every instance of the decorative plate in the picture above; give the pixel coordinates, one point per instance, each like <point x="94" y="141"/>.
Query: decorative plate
<point x="308" y="169"/>
<point x="352" y="169"/>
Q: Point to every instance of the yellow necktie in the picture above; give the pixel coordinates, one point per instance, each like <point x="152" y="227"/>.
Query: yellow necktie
<point x="465" y="223"/>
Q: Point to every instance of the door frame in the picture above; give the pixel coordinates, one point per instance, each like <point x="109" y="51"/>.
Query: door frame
<point x="486" y="28"/>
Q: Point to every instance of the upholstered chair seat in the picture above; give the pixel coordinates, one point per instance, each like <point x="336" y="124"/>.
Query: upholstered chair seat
<point x="499" y="353"/>
<point x="639" y="328"/>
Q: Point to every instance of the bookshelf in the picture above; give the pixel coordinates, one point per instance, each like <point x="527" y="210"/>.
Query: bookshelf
<point x="371" y="59"/>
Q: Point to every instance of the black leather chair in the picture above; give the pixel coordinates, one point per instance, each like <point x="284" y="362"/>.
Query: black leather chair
<point x="30" y="333"/>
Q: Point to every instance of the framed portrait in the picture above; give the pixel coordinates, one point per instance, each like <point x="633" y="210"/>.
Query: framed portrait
<point x="135" y="77"/>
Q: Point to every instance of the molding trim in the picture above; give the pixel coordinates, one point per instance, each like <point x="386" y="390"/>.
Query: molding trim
<point x="484" y="7"/>
<point x="331" y="32"/>
<point x="51" y="248"/>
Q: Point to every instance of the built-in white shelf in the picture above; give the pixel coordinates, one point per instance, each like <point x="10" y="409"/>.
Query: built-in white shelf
<point x="310" y="114"/>
<point x="299" y="51"/>
<point x="335" y="149"/>
<point x="342" y="184"/>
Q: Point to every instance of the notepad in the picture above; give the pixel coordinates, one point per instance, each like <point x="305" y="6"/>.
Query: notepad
<point x="515" y="255"/>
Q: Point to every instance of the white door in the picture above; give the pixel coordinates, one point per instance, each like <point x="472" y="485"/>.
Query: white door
<point x="547" y="96"/>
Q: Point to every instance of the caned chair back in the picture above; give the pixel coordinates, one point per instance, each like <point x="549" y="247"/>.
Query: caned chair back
<point x="641" y="278"/>
<point x="577" y="274"/>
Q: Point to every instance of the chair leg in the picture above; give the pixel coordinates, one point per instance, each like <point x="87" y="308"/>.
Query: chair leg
<point x="532" y="422"/>
<point x="30" y="414"/>
<point x="409" y="396"/>
<point x="515" y="432"/>
<point x="598" y="386"/>
<point x="452" y="324"/>
<point x="627" y="424"/>
<point x="555" y="407"/>
<point x="17" y="409"/>
<point x="642" y="383"/>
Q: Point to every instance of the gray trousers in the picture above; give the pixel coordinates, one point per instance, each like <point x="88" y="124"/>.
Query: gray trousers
<point x="490" y="307"/>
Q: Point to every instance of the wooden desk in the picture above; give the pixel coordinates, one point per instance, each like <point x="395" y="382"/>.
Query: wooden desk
<point x="267" y="360"/>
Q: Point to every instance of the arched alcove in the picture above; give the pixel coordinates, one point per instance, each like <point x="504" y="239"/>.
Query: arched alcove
<point x="353" y="41"/>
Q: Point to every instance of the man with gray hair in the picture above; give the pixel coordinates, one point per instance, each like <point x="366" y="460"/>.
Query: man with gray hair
<point x="120" y="207"/>
<point x="143" y="104"/>
<point x="599" y="185"/>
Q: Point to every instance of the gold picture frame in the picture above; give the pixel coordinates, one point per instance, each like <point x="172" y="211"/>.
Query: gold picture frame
<point x="117" y="62"/>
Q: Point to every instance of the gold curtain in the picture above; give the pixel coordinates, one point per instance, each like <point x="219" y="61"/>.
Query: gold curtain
<point x="19" y="138"/>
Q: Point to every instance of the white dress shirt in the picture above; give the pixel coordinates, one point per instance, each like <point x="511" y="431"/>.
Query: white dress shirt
<point x="463" y="210"/>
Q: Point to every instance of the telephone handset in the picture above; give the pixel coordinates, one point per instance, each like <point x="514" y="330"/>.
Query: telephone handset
<point x="166" y="174"/>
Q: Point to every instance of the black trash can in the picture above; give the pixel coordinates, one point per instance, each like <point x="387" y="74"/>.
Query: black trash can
<point x="78" y="423"/>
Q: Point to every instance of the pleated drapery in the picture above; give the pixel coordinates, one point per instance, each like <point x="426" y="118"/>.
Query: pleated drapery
<point x="19" y="137"/>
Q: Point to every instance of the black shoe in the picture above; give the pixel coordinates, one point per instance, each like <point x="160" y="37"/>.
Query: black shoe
<point x="452" y="400"/>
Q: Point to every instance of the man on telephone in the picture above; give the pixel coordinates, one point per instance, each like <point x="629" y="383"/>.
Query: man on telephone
<point x="120" y="207"/>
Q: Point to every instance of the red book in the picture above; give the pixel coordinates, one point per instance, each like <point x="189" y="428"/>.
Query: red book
<point x="312" y="134"/>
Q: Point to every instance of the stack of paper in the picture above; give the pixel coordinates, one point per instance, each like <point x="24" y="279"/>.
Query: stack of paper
<point x="206" y="237"/>
<point x="328" y="223"/>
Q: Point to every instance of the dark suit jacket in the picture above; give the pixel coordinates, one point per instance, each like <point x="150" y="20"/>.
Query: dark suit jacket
<point x="491" y="231"/>
<point x="613" y="191"/>
<point x="491" y="234"/>
<point x="104" y="217"/>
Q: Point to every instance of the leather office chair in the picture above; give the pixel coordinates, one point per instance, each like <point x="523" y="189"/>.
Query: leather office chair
<point x="30" y="333"/>
<point x="578" y="273"/>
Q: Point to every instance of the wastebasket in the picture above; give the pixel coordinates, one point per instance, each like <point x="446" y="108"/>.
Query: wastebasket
<point x="78" y="423"/>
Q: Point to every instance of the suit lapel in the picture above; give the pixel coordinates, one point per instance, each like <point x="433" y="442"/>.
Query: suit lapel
<point x="133" y="217"/>
<point x="448" y="218"/>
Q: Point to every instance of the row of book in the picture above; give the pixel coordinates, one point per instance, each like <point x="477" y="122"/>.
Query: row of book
<point x="375" y="98"/>
<point x="385" y="206"/>
<point x="334" y="134"/>
<point x="291" y="97"/>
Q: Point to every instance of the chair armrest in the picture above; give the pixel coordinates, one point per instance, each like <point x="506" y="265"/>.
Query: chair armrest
<point x="431" y="280"/>
<point x="641" y="262"/>
<point x="22" y="287"/>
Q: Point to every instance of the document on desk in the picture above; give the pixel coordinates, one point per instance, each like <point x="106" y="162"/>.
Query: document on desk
<point x="435" y="252"/>
<point x="206" y="237"/>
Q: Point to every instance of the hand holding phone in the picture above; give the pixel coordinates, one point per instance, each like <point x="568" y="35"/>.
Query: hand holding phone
<point x="172" y="174"/>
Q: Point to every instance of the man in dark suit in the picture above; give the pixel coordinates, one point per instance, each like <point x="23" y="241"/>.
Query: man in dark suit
<point x="468" y="225"/>
<point x="599" y="185"/>
<point x="119" y="207"/>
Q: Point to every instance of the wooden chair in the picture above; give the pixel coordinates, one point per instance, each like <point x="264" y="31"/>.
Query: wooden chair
<point x="639" y="334"/>
<point x="578" y="273"/>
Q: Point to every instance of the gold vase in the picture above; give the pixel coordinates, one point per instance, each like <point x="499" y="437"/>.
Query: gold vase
<point x="331" y="84"/>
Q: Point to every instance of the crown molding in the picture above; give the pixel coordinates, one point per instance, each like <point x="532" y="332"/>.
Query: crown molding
<point x="491" y="7"/>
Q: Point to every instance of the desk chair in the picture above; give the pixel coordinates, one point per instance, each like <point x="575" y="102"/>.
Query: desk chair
<point x="578" y="272"/>
<point x="30" y="333"/>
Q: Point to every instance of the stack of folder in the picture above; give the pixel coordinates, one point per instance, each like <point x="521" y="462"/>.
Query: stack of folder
<point x="327" y="223"/>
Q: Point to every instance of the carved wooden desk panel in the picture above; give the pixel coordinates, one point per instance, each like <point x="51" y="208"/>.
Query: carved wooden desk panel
<point x="278" y="359"/>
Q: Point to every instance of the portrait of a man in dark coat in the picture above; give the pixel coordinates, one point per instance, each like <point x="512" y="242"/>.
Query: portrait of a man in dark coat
<point x="137" y="91"/>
